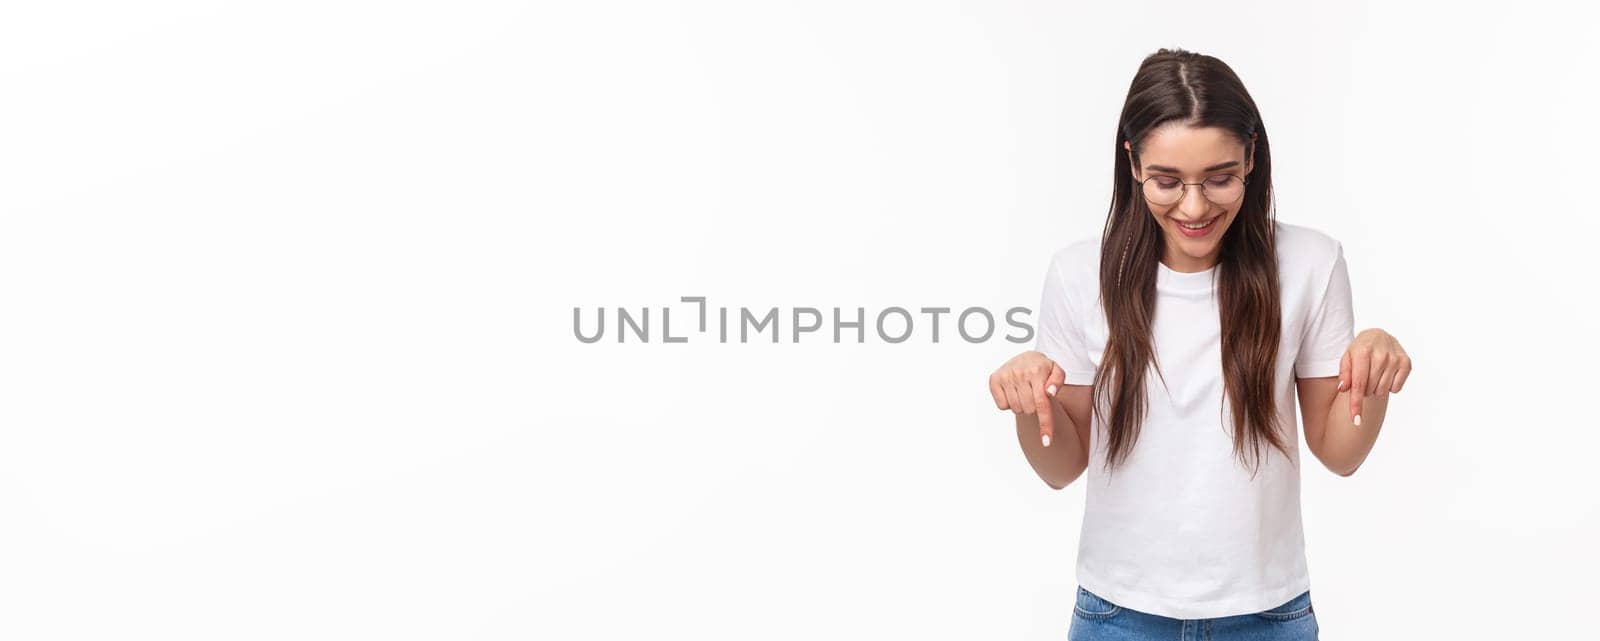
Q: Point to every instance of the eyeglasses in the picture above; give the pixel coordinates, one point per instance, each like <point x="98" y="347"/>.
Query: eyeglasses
<point x="1222" y="189"/>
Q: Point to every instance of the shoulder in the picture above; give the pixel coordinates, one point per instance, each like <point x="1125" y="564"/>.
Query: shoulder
<point x="1310" y="261"/>
<point x="1077" y="258"/>
<point x="1074" y="271"/>
<point x="1306" y="248"/>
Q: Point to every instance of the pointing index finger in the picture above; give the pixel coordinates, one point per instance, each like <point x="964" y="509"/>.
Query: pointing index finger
<point x="1358" y="383"/>
<point x="1047" y="394"/>
<point x="1041" y="401"/>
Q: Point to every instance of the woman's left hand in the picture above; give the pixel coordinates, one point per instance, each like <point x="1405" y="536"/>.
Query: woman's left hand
<point x="1374" y="365"/>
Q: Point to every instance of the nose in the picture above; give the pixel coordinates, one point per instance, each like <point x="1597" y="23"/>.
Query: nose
<point x="1194" y="204"/>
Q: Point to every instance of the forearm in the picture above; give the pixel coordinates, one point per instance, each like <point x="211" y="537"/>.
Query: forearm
<point x="1345" y="445"/>
<point x="1065" y="459"/>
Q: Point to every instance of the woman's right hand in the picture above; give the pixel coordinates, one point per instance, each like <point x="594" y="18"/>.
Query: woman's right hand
<point x="1025" y="385"/>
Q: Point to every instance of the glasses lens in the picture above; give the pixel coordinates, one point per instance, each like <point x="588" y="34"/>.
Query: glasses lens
<point x="1224" y="189"/>
<point x="1163" y="190"/>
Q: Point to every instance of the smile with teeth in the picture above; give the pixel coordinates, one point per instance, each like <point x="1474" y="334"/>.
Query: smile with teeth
<point x="1199" y="226"/>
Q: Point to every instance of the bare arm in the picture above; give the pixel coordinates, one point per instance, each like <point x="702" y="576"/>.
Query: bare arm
<point x="1331" y="433"/>
<point x="1342" y="426"/>
<point x="1067" y="456"/>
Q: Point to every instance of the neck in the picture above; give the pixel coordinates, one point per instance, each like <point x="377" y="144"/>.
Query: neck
<point x="1185" y="264"/>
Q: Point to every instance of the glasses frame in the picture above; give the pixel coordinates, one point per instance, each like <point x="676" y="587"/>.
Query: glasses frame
<point x="1184" y="187"/>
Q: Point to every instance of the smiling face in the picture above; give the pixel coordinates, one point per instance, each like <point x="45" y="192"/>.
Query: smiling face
<point x="1191" y="154"/>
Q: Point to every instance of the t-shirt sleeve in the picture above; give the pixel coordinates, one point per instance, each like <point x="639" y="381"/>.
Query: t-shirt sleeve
<point x="1331" y="327"/>
<point x="1061" y="318"/>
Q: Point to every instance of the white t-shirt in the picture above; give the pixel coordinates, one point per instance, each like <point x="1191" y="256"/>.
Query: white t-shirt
<point x="1181" y="530"/>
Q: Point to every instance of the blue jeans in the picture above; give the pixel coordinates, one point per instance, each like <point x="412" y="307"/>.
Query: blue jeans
<point x="1096" y="619"/>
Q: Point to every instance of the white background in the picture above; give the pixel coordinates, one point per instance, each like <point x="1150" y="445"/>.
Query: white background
<point x="286" y="297"/>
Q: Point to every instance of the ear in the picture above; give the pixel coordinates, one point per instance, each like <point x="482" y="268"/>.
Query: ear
<point x="1131" y="166"/>
<point x="1250" y="163"/>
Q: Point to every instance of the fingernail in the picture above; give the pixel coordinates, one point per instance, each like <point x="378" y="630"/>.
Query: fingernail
<point x="1051" y="389"/>
<point x="1341" y="385"/>
<point x="1358" y="420"/>
<point x="1046" y="438"/>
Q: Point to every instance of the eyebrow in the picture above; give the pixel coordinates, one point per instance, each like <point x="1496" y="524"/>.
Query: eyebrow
<point x="1174" y="170"/>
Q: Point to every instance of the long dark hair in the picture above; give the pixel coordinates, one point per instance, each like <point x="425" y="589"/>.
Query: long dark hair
<point x="1200" y="91"/>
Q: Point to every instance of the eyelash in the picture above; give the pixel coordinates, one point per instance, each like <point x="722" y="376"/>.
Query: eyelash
<point x="1180" y="179"/>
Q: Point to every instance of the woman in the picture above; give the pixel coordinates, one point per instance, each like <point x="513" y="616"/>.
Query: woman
<point x="1164" y="355"/>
